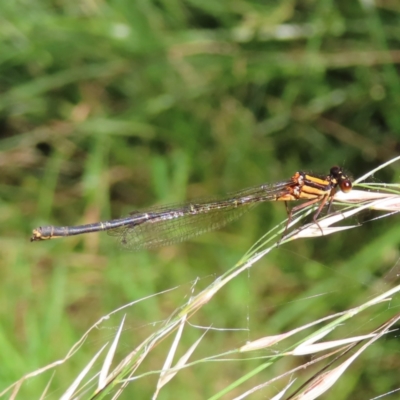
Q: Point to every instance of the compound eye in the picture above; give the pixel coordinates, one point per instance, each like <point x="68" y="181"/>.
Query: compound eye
<point x="345" y="186"/>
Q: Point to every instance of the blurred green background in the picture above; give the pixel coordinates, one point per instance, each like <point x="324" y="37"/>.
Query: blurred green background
<point x="109" y="107"/>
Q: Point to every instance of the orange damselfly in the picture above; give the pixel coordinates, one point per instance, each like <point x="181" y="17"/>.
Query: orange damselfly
<point x="165" y="225"/>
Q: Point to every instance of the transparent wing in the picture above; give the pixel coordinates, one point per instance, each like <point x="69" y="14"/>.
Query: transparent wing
<point x="165" y="225"/>
<point x="164" y="232"/>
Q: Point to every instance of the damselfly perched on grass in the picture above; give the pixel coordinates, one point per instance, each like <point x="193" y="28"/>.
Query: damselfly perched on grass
<point x="164" y="225"/>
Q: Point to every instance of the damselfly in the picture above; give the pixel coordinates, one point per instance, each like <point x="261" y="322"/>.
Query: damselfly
<point x="164" y="225"/>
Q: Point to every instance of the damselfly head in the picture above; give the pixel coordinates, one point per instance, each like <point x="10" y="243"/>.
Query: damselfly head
<point x="341" y="179"/>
